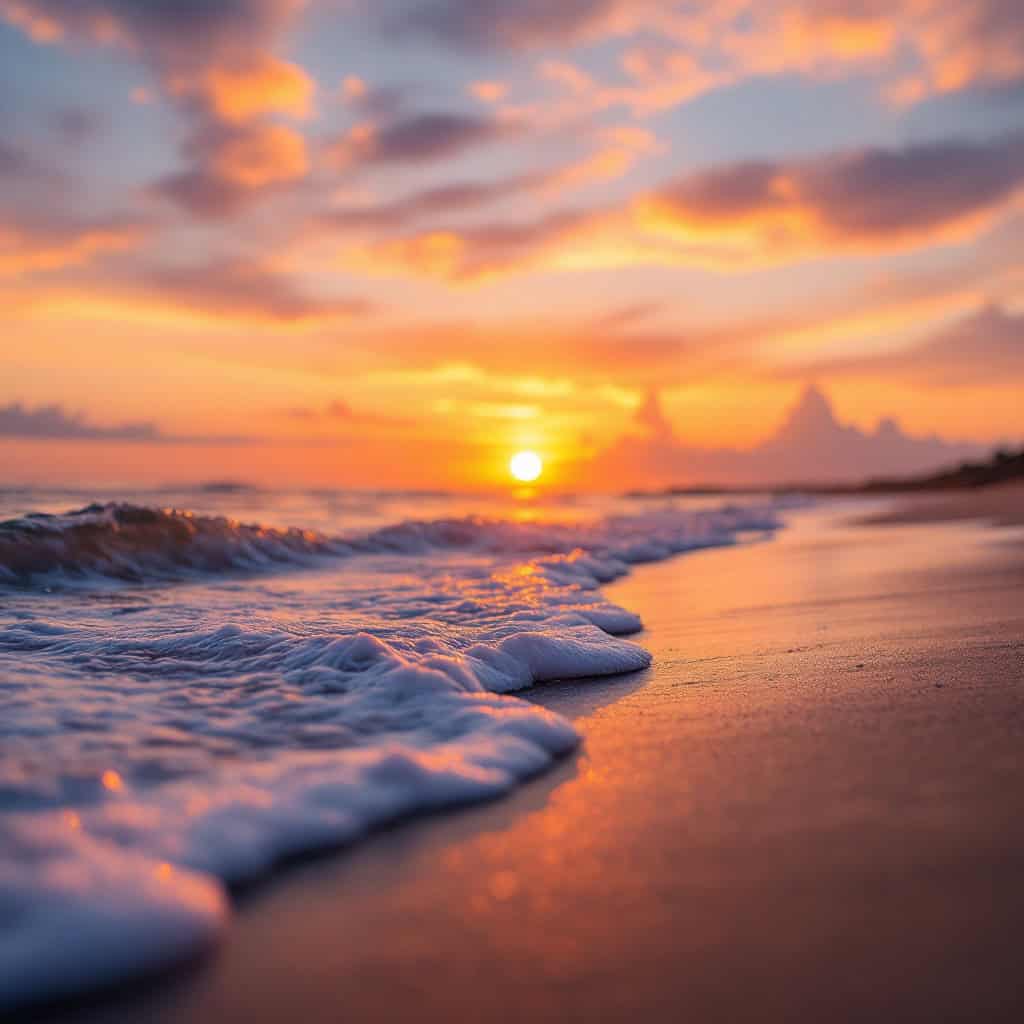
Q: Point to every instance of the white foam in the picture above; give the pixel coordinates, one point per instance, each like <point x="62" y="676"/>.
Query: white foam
<point x="160" y="742"/>
<point x="79" y="913"/>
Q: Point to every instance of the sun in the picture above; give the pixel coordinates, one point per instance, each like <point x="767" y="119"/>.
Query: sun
<point x="526" y="466"/>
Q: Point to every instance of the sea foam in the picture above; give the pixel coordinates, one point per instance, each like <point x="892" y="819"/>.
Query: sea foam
<point x="289" y="692"/>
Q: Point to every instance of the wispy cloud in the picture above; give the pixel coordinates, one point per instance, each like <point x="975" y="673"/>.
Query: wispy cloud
<point x="746" y="214"/>
<point x="511" y="24"/>
<point x="52" y="422"/>
<point x="55" y="423"/>
<point x="418" y="138"/>
<point x="920" y="47"/>
<point x="76" y="126"/>
<point x="226" y="290"/>
<point x="239" y="289"/>
<point x="213" y="59"/>
<point x="985" y="348"/>
<point x="52" y="241"/>
<point x="235" y="164"/>
<point x="870" y="199"/>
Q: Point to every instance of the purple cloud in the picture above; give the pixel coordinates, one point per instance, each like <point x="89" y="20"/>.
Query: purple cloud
<point x="495" y="24"/>
<point x="168" y="33"/>
<point x="419" y="138"/>
<point x="52" y="422"/>
<point x="810" y="446"/>
<point x="867" y="194"/>
<point x="984" y="348"/>
<point x="77" y="126"/>
<point x="429" y="202"/>
<point x="55" y="423"/>
<point x="199" y="50"/>
<point x="237" y="288"/>
<point x="15" y="162"/>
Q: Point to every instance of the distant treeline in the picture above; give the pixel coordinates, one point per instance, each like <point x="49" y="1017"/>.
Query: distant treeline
<point x="1003" y="467"/>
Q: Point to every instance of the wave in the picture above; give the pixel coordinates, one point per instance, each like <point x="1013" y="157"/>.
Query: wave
<point x="157" y="748"/>
<point x="136" y="543"/>
<point x="139" y="544"/>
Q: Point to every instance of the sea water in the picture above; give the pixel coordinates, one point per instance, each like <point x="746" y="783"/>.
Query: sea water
<point x="198" y="685"/>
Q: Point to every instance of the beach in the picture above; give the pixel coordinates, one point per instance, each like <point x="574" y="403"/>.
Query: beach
<point x="808" y="808"/>
<point x="1001" y="505"/>
<point x="511" y="511"/>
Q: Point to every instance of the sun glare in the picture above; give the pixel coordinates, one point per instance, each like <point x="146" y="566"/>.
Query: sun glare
<point x="526" y="466"/>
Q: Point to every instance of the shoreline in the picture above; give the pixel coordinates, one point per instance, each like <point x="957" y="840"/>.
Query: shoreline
<point x="1000" y="505"/>
<point x="520" y="740"/>
<point x="815" y="784"/>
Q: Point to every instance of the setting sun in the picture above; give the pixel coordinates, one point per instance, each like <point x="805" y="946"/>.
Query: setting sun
<point x="526" y="466"/>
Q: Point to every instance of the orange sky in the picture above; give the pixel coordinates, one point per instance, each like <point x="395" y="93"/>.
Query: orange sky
<point x="390" y="244"/>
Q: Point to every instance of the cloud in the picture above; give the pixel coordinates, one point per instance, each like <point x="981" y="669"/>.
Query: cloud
<point x="863" y="199"/>
<point x="743" y="215"/>
<point x="233" y="166"/>
<point x="203" y="194"/>
<point x="241" y="289"/>
<point x="617" y="149"/>
<point x="265" y="154"/>
<point x="962" y="45"/>
<point x="552" y="348"/>
<point x="383" y="102"/>
<point x="627" y="316"/>
<point x="168" y="33"/>
<point x="213" y="54"/>
<point x="77" y="126"/>
<point x="476" y="253"/>
<point x="55" y="423"/>
<point x="919" y="47"/>
<point x="338" y="415"/>
<point x="338" y="409"/>
<point x="651" y="418"/>
<point x="425" y="137"/>
<point x="213" y="59"/>
<point x="36" y="244"/>
<point x="642" y="343"/>
<point x="809" y="446"/>
<point x="488" y="91"/>
<point x="497" y="24"/>
<point x="52" y="422"/>
<point x="243" y="90"/>
<point x="237" y="291"/>
<point x="459" y="196"/>
<point x="985" y="348"/>
<point x="418" y="138"/>
<point x="16" y="162"/>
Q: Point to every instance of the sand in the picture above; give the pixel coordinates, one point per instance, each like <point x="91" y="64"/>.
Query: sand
<point x="1002" y="506"/>
<point x="810" y="808"/>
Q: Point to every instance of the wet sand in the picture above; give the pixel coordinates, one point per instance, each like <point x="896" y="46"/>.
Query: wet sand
<point x="810" y="808"/>
<point x="1002" y="505"/>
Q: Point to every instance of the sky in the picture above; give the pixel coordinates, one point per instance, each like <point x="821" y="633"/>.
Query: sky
<point x="388" y="243"/>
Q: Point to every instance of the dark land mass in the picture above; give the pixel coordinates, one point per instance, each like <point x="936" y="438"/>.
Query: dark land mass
<point x="1003" y="467"/>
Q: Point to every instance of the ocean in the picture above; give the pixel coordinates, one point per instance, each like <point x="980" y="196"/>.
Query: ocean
<point x="199" y="684"/>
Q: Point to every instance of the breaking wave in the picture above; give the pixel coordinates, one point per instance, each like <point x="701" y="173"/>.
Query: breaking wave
<point x="162" y="742"/>
<point x="129" y="542"/>
<point x="137" y="544"/>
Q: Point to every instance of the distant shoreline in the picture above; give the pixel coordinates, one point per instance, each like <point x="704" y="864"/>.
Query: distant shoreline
<point x="1004" y="467"/>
